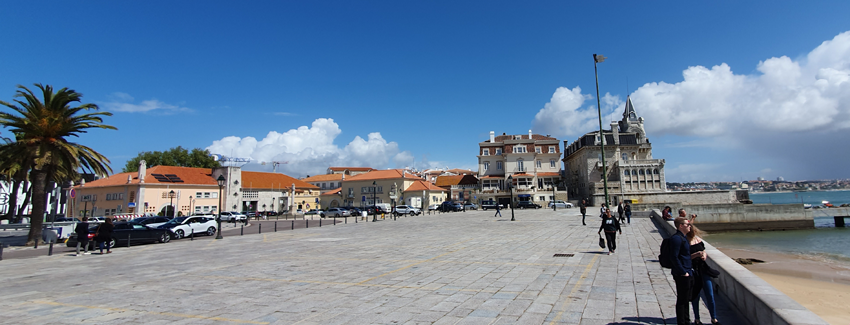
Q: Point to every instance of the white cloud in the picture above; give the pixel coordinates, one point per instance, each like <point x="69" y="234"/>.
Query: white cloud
<point x="310" y="150"/>
<point x="123" y="102"/>
<point x="786" y="106"/>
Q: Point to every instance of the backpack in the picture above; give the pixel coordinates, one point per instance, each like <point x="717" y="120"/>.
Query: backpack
<point x="666" y="257"/>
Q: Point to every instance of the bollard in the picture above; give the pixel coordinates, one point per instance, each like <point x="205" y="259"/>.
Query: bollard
<point x="320" y="223"/>
<point x="1" y="251"/>
<point x="346" y="220"/>
<point x="275" y="226"/>
<point x="50" y="251"/>
<point x="260" y="228"/>
<point x="306" y="223"/>
<point x="293" y="224"/>
<point x="192" y="235"/>
<point x="242" y="230"/>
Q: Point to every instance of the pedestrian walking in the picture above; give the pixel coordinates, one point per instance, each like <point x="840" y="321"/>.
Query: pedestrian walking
<point x="620" y="211"/>
<point x="82" y="231"/>
<point x="702" y="279"/>
<point x="611" y="226"/>
<point x="498" y="210"/>
<point x="602" y="210"/>
<point x="628" y="209"/>
<point x="583" y="209"/>
<point x="682" y="271"/>
<point x="104" y="235"/>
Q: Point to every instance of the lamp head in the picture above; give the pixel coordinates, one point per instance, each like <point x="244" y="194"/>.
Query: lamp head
<point x="222" y="181"/>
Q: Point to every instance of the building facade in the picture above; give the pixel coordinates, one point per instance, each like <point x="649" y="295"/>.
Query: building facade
<point x="530" y="163"/>
<point x="630" y="167"/>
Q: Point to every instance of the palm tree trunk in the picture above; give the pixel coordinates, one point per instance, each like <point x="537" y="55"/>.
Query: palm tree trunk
<point x="39" y="200"/>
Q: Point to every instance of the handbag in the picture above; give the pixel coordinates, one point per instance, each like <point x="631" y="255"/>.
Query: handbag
<point x="601" y="241"/>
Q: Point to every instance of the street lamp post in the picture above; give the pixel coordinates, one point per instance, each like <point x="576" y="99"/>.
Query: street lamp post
<point x="171" y="205"/>
<point x="221" y="182"/>
<point x="374" y="201"/>
<point x="191" y="204"/>
<point x="554" y="205"/>
<point x="597" y="59"/>
<point x="511" y="187"/>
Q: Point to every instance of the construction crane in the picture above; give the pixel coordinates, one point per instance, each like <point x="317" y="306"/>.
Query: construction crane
<point x="223" y="159"/>
<point x="274" y="164"/>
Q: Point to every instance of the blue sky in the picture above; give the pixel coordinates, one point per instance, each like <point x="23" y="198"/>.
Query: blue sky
<point x="729" y="90"/>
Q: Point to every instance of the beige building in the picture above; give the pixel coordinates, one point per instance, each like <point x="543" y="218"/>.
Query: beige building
<point x="630" y="167"/>
<point x="532" y="163"/>
<point x="189" y="191"/>
<point x="380" y="186"/>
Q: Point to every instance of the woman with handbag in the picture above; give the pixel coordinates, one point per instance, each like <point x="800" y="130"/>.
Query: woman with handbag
<point x="611" y="225"/>
<point x="702" y="275"/>
<point x="104" y="235"/>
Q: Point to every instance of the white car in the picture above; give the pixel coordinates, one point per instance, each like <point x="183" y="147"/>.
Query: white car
<point x="181" y="227"/>
<point x="233" y="215"/>
<point x="335" y="213"/>
<point x="560" y="204"/>
<point x="406" y="209"/>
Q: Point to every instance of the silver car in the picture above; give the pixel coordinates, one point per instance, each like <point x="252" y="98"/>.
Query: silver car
<point x="335" y="213"/>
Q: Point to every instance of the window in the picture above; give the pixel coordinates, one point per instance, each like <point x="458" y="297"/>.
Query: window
<point x="542" y="198"/>
<point x="625" y="157"/>
<point x="485" y="152"/>
<point x="552" y="163"/>
<point x="199" y="194"/>
<point x="517" y="137"/>
<point x="538" y="150"/>
<point x="551" y="149"/>
<point x="626" y="172"/>
<point x="498" y="151"/>
<point x="499" y="165"/>
<point x="519" y="149"/>
<point x="599" y="156"/>
<point x="640" y="171"/>
<point x="520" y="165"/>
<point x="539" y="163"/>
<point x="486" y="165"/>
<point x="655" y="171"/>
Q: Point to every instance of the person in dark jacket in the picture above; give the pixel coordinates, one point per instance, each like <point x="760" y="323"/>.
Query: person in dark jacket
<point x="628" y="210"/>
<point x="682" y="272"/>
<point x="611" y="226"/>
<point x="104" y="235"/>
<point x="498" y="210"/>
<point x="620" y="211"/>
<point x="82" y="231"/>
<point x="583" y="208"/>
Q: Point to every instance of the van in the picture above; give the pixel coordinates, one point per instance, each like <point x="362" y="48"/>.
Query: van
<point x="386" y="206"/>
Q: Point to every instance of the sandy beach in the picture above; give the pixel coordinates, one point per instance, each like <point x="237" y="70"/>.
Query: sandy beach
<point x="821" y="286"/>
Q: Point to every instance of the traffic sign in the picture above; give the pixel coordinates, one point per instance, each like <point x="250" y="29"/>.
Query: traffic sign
<point x="73" y="193"/>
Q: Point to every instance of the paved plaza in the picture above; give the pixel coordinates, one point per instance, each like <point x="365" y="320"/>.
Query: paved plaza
<point x="454" y="268"/>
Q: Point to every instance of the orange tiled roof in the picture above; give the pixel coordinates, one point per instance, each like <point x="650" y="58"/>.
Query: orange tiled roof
<point x="460" y="171"/>
<point x="366" y="169"/>
<point x="189" y="175"/>
<point x="423" y="186"/>
<point x="494" y="176"/>
<point x="333" y="192"/>
<point x="262" y="180"/>
<point x="381" y="174"/>
<point x="323" y="178"/>
<point x="456" y="180"/>
<point x="548" y="174"/>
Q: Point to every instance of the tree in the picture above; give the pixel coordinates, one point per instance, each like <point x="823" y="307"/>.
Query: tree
<point x="43" y="126"/>
<point x="173" y="157"/>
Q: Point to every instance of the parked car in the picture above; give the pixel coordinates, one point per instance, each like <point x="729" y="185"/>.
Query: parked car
<point x="233" y="215"/>
<point x="527" y="204"/>
<point x="335" y="213"/>
<point x="124" y="232"/>
<point x="470" y="206"/>
<point x="184" y="226"/>
<point x="450" y="206"/>
<point x="486" y="205"/>
<point x="433" y="207"/>
<point x="312" y="212"/>
<point x="152" y="222"/>
<point x="560" y="204"/>
<point x="406" y="209"/>
<point x="376" y="210"/>
<point x="252" y="214"/>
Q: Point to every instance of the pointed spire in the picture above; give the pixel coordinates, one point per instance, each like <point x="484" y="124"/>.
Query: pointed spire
<point x="629" y="113"/>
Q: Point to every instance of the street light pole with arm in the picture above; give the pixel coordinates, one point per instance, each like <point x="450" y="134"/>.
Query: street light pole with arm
<point x="221" y="182"/>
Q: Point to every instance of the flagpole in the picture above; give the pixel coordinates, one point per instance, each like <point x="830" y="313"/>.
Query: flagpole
<point x="596" y="59"/>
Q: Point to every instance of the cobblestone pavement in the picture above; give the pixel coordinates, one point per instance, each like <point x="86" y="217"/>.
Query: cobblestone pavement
<point x="455" y="268"/>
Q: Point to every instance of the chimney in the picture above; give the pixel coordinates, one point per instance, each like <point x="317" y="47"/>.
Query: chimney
<point x="529" y="134"/>
<point x="129" y="179"/>
<point x="492" y="137"/>
<point x="143" y="169"/>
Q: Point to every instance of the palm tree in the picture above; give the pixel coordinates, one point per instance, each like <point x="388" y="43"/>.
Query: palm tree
<point x="44" y="126"/>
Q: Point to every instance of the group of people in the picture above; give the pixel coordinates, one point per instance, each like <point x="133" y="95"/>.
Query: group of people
<point x="624" y="209"/>
<point x="691" y="273"/>
<point x="102" y="235"/>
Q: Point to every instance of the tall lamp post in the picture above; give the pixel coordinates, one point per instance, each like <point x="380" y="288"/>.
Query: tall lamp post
<point x="171" y="205"/>
<point x="554" y="205"/>
<point x="511" y="203"/>
<point x="374" y="201"/>
<point x="221" y="182"/>
<point x="597" y="59"/>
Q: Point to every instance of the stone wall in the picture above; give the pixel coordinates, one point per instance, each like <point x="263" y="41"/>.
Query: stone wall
<point x="736" y="216"/>
<point x="758" y="301"/>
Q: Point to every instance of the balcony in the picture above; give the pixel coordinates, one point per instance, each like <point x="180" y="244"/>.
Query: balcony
<point x="642" y="162"/>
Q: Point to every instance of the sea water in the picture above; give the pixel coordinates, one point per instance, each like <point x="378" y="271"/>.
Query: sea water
<point x="825" y="241"/>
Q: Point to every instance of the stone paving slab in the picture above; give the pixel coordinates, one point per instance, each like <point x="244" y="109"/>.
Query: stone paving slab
<point x="455" y="268"/>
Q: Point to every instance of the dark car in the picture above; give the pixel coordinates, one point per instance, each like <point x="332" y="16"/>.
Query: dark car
<point x="144" y="221"/>
<point x="527" y="204"/>
<point x="123" y="232"/>
<point x="450" y="206"/>
<point x="375" y="210"/>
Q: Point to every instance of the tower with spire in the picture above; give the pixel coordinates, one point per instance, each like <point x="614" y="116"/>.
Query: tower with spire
<point x="632" y="170"/>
